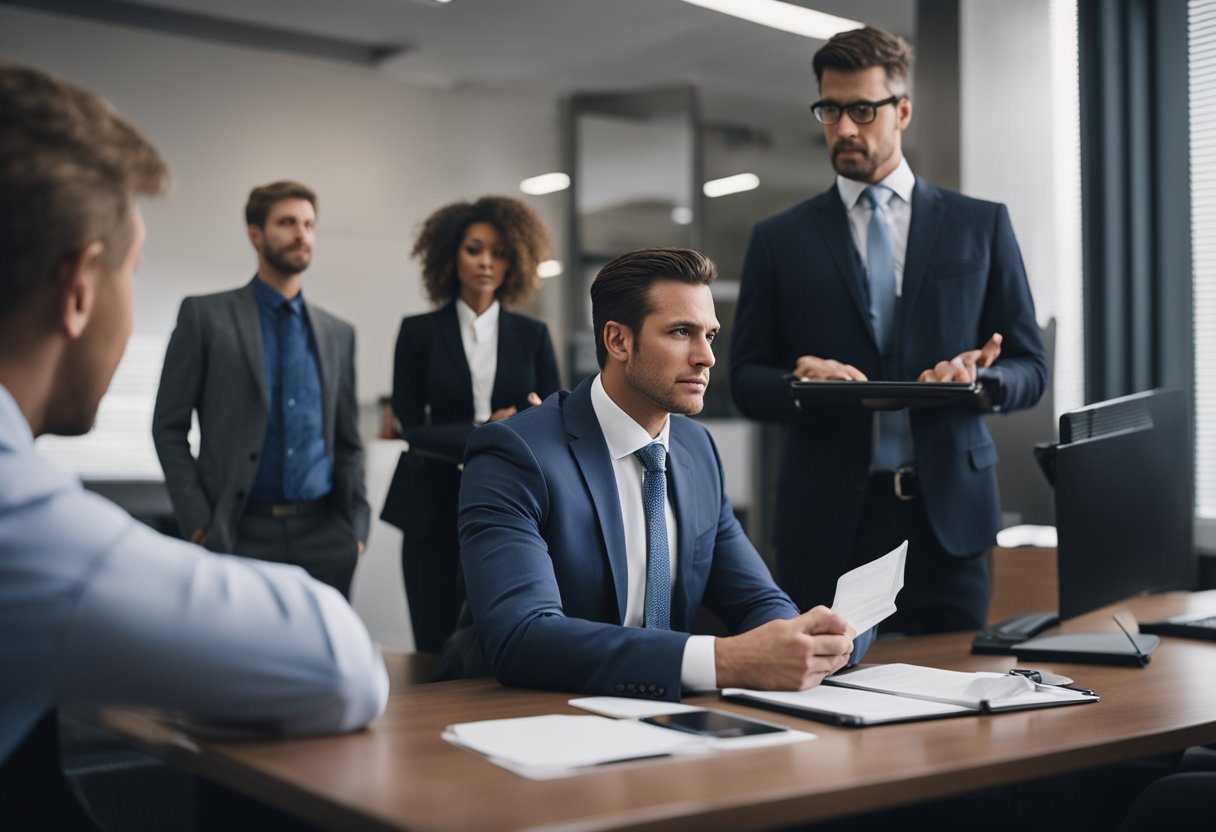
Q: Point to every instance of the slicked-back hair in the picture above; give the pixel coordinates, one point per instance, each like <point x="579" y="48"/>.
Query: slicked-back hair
<point x="70" y="169"/>
<point x="864" y="48"/>
<point x="264" y="197"/>
<point x="524" y="236"/>
<point x="621" y="291"/>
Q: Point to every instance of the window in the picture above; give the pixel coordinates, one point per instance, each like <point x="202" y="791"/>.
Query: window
<point x="1202" y="95"/>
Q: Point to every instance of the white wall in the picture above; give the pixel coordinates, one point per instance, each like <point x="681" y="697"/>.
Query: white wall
<point x="1021" y="146"/>
<point x="381" y="156"/>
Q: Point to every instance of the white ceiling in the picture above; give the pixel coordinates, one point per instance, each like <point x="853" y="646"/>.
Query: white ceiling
<point x="746" y="72"/>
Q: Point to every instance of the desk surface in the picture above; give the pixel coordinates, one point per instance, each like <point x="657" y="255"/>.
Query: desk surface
<point x="399" y="774"/>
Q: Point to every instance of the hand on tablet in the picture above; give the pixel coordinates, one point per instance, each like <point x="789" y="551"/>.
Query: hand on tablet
<point x="814" y="368"/>
<point x="965" y="365"/>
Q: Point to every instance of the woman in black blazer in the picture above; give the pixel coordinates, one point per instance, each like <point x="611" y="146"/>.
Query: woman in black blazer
<point x="450" y="374"/>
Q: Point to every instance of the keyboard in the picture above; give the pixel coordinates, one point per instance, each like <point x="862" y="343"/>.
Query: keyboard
<point x="1186" y="626"/>
<point x="1000" y="638"/>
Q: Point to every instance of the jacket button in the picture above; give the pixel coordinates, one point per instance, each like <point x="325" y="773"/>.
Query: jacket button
<point x="661" y="690"/>
<point x="631" y="687"/>
<point x="620" y="688"/>
<point x="650" y="688"/>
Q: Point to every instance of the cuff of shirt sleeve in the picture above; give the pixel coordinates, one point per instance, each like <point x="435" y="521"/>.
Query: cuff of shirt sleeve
<point x="698" y="670"/>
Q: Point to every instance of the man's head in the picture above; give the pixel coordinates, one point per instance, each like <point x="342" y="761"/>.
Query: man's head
<point x="654" y="320"/>
<point x="282" y="219"/>
<point x="864" y="105"/>
<point x="70" y="236"/>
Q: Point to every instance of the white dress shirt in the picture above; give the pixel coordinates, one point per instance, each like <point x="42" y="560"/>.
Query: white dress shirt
<point x="97" y="608"/>
<point x="479" y="333"/>
<point x="624" y="436"/>
<point x="901" y="181"/>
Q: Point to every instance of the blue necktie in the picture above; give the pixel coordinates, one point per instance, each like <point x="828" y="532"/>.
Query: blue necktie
<point x="880" y="272"/>
<point x="293" y="361"/>
<point x="658" y="557"/>
<point x="880" y="267"/>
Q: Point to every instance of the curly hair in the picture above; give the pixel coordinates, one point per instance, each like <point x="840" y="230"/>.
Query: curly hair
<point x="524" y="236"/>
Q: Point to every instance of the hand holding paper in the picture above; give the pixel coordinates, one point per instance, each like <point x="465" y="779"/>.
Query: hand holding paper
<point x="866" y="595"/>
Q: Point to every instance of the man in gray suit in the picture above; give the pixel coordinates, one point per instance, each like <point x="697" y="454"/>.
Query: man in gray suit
<point x="279" y="473"/>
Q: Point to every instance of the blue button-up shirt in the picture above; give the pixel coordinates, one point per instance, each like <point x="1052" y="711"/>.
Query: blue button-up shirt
<point x="294" y="465"/>
<point x="99" y="609"/>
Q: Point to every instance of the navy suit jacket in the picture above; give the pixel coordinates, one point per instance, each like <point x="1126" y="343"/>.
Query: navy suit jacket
<point x="543" y="550"/>
<point x="433" y="402"/>
<point x="803" y="292"/>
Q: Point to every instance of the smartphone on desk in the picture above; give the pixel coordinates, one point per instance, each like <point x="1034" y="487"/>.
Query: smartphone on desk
<point x="717" y="724"/>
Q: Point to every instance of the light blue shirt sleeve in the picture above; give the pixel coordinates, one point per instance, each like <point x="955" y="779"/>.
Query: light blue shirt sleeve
<point x="97" y="608"/>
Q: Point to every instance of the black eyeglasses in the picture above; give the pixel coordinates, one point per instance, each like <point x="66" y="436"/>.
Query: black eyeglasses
<point x="860" y="112"/>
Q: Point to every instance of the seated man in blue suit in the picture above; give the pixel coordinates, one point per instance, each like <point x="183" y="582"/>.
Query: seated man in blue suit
<point x="584" y="568"/>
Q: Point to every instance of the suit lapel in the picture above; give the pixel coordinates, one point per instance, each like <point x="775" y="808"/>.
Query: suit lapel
<point x="927" y="212"/>
<point x="249" y="332"/>
<point x="591" y="453"/>
<point x="833" y="224"/>
<point x="328" y="363"/>
<point x="504" y="377"/>
<point x="683" y="478"/>
<point x="451" y="355"/>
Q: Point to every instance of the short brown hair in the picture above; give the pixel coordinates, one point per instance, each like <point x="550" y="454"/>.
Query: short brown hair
<point x="524" y="236"/>
<point x="621" y="291"/>
<point x="263" y="198"/>
<point x="70" y="168"/>
<point x="863" y="48"/>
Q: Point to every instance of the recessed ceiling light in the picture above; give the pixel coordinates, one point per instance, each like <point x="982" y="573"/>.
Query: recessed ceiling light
<point x="549" y="268"/>
<point x="681" y="215"/>
<point x="731" y="184"/>
<point x="784" y="16"/>
<point x="546" y="183"/>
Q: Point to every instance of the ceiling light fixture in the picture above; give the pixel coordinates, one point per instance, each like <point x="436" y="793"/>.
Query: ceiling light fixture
<point x="784" y="16"/>
<point x="546" y="183"/>
<point x="549" y="268"/>
<point x="731" y="184"/>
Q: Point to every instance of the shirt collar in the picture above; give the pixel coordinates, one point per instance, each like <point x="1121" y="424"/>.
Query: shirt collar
<point x="484" y="325"/>
<point x="14" y="430"/>
<point x="621" y="433"/>
<point x="901" y="181"/>
<point x="271" y="299"/>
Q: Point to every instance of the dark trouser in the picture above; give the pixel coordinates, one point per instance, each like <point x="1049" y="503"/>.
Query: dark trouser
<point x="942" y="593"/>
<point x="323" y="544"/>
<point x="434" y="586"/>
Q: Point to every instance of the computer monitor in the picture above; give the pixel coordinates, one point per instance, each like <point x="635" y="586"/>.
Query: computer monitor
<point x="1124" y="503"/>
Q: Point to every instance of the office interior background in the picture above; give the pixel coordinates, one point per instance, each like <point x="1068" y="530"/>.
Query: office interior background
<point x="1086" y="118"/>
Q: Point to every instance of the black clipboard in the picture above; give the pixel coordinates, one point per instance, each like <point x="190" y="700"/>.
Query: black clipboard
<point x="880" y="395"/>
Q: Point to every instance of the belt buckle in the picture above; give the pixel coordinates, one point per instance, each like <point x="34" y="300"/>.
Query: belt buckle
<point x="898" y="479"/>
<point x="279" y="510"/>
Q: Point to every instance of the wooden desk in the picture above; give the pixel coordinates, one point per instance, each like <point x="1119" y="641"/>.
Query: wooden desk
<point x="399" y="774"/>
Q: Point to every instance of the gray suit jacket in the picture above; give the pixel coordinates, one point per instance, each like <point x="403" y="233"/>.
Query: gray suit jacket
<point x="214" y="366"/>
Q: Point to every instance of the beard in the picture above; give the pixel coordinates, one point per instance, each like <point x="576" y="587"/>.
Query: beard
<point x="860" y="168"/>
<point x="653" y="384"/>
<point x="278" y="258"/>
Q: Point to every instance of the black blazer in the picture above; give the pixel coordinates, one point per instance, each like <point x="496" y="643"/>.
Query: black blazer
<point x="433" y="402"/>
<point x="803" y="292"/>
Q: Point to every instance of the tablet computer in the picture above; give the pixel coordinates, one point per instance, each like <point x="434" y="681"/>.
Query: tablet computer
<point x="881" y="395"/>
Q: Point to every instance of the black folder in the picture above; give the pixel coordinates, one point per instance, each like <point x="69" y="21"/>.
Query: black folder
<point x="881" y="395"/>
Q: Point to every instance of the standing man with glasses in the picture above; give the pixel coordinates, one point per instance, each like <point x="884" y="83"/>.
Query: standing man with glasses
<point x="593" y="526"/>
<point x="279" y="473"/>
<point x="885" y="277"/>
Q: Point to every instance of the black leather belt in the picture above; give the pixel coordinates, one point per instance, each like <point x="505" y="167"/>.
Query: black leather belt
<point x="260" y="508"/>
<point x="904" y="483"/>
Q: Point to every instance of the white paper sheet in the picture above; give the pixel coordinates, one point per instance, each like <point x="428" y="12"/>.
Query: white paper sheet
<point x="866" y="595"/>
<point x="558" y="745"/>
<point x="625" y="708"/>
